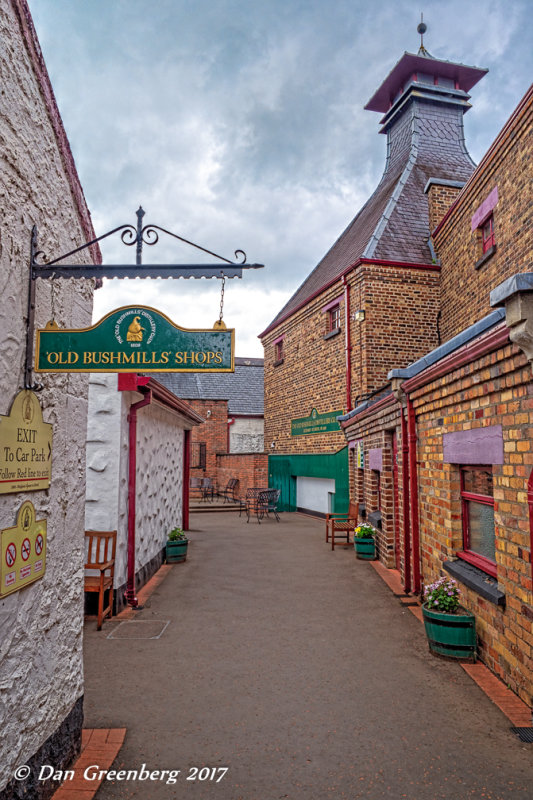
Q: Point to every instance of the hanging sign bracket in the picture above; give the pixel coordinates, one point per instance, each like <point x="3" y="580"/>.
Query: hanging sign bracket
<point x="41" y="267"/>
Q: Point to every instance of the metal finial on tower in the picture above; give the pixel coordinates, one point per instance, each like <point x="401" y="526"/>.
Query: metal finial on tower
<point x="421" y="29"/>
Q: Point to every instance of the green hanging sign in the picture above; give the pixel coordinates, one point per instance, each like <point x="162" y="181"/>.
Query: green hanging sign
<point x="135" y="339"/>
<point x="316" y="423"/>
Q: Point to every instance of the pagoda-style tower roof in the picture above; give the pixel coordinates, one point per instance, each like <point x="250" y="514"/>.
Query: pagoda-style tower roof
<point x="423" y="100"/>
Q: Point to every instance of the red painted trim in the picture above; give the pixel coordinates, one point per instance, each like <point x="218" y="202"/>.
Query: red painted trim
<point x="186" y="479"/>
<point x="484" y="344"/>
<point x="33" y="47"/>
<point x="413" y="479"/>
<point x="406" y="517"/>
<point x="385" y="401"/>
<point x="478" y="561"/>
<point x="347" y="344"/>
<point x="466" y="554"/>
<point x="530" y="505"/>
<point x="395" y="493"/>
<point x="478" y="498"/>
<point x="130" y="594"/>
<point x="314" y="295"/>
<point x="331" y="304"/>
<point x="131" y="382"/>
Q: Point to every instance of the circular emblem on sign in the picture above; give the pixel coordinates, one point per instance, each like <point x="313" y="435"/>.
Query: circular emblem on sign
<point x="11" y="554"/>
<point x="135" y="326"/>
<point x="39" y="544"/>
<point x="25" y="550"/>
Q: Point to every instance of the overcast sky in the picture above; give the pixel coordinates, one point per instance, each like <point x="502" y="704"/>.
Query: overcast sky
<point x="239" y="124"/>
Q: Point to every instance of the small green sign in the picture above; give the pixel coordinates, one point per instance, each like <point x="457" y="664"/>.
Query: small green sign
<point x="135" y="339"/>
<point x="316" y="423"/>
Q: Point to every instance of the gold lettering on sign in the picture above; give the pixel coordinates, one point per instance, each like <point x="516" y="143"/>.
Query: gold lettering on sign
<point x="25" y="446"/>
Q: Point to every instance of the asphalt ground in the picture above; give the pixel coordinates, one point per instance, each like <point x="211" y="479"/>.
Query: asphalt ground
<point x="295" y="667"/>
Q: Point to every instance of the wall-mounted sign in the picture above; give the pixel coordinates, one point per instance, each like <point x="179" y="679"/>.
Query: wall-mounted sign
<point x="134" y="339"/>
<point x="25" y="446"/>
<point x="360" y="455"/>
<point x="316" y="423"/>
<point x="23" y="551"/>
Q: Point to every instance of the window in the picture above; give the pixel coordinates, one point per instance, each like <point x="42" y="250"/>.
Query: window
<point x="487" y="234"/>
<point x="334" y="319"/>
<point x="278" y="352"/>
<point x="477" y="509"/>
<point x="198" y="455"/>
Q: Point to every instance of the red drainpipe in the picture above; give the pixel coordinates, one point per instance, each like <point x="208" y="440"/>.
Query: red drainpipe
<point x="132" y="470"/>
<point x="405" y="501"/>
<point x="186" y="478"/>
<point x="348" y="344"/>
<point x="413" y="482"/>
<point x="530" y="504"/>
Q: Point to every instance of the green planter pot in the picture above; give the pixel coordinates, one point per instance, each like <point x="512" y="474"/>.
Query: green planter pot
<point x="451" y="635"/>
<point x="176" y="551"/>
<point x="365" y="548"/>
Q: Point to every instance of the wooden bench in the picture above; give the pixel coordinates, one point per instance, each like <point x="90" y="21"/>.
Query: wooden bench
<point x="101" y="551"/>
<point x="342" y="526"/>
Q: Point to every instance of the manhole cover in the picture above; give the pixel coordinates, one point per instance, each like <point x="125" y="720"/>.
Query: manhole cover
<point x="524" y="734"/>
<point x="140" y="629"/>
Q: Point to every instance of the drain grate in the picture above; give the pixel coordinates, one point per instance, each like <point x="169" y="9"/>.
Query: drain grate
<point x="524" y="734"/>
<point x="139" y="629"/>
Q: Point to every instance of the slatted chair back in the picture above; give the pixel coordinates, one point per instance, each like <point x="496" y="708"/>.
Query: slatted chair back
<point x="101" y="547"/>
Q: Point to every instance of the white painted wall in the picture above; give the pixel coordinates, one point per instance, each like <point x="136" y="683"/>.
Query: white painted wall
<point x="41" y="672"/>
<point x="312" y="493"/>
<point x="246" y="435"/>
<point x="159" y="474"/>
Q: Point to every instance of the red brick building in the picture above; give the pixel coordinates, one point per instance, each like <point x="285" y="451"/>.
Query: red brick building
<point x="372" y="302"/>
<point x="229" y="443"/>
<point x="448" y="458"/>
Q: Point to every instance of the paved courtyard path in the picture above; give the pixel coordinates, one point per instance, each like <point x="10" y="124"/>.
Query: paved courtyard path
<point x="297" y="669"/>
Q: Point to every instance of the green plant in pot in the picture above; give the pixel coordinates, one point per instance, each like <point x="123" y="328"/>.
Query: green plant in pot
<point x="176" y="546"/>
<point x="364" y="542"/>
<point x="450" y="629"/>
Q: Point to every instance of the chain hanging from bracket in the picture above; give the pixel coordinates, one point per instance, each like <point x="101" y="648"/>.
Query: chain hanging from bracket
<point x="220" y="324"/>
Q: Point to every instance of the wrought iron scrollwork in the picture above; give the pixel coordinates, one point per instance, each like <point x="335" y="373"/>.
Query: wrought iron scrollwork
<point x="128" y="231"/>
<point x="43" y="267"/>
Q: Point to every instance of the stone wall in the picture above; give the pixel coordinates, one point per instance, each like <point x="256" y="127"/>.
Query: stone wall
<point x="246" y="435"/>
<point x="41" y="625"/>
<point x="159" y="475"/>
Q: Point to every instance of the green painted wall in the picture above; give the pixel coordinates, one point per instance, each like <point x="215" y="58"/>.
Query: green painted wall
<point x="284" y="469"/>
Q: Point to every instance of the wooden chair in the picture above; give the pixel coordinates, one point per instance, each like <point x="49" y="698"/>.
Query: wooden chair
<point x="342" y="525"/>
<point x="101" y="551"/>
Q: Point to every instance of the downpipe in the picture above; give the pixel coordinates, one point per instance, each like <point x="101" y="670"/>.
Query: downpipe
<point x="129" y="594"/>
